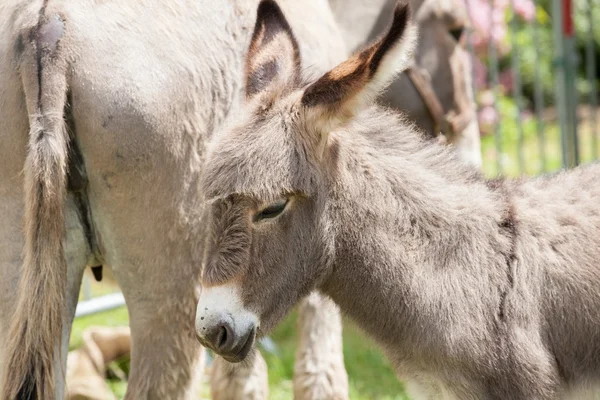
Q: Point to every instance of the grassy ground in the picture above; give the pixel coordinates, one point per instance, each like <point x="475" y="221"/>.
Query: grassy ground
<point x="370" y="376"/>
<point x="369" y="373"/>
<point x="118" y="317"/>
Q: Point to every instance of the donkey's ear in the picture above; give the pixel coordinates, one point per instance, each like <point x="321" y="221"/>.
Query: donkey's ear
<point x="273" y="59"/>
<point x="356" y="82"/>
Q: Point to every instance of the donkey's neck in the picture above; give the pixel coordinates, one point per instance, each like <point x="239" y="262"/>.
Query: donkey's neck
<point x="413" y="224"/>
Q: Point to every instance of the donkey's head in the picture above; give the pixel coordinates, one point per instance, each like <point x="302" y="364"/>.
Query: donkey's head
<point x="269" y="240"/>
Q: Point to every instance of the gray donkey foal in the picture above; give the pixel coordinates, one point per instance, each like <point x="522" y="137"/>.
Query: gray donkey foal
<point x="475" y="289"/>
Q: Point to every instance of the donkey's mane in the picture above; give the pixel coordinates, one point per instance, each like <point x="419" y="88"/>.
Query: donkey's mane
<point x="379" y="132"/>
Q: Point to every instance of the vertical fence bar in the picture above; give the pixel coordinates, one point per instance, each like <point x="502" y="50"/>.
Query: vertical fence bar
<point x="539" y="93"/>
<point x="493" y="72"/>
<point x="471" y="50"/>
<point x="590" y="56"/>
<point x="516" y="73"/>
<point x="570" y="83"/>
<point x="559" y="73"/>
<point x="565" y="74"/>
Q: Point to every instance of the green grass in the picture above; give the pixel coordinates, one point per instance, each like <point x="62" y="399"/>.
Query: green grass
<point x="532" y="154"/>
<point x="118" y="317"/>
<point x="370" y="375"/>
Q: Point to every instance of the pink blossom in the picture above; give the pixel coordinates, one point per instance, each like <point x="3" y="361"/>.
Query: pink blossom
<point x="487" y="98"/>
<point x="486" y="19"/>
<point x="488" y="23"/>
<point x="479" y="73"/>
<point x="525" y="9"/>
<point x="487" y="117"/>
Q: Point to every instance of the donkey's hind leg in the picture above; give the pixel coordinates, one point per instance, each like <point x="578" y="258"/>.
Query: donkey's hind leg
<point x="11" y="249"/>
<point x="166" y="358"/>
<point x="319" y="370"/>
<point x="245" y="380"/>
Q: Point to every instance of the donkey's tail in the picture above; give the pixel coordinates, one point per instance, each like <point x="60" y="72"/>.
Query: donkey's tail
<point x="34" y="344"/>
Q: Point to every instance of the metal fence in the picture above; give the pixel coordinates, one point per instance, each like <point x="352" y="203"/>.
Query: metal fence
<point x="90" y="304"/>
<point x="535" y="77"/>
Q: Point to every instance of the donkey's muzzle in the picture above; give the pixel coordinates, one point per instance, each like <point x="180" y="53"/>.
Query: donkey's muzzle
<point x="224" y="325"/>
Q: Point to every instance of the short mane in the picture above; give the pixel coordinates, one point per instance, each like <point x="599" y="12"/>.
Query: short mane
<point x="392" y="134"/>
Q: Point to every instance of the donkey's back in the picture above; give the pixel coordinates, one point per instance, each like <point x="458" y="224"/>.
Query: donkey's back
<point x="558" y="247"/>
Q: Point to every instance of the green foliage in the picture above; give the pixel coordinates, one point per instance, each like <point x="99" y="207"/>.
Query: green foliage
<point x="587" y="30"/>
<point x="540" y="141"/>
<point x="535" y="55"/>
<point x="540" y="144"/>
<point x="533" y="44"/>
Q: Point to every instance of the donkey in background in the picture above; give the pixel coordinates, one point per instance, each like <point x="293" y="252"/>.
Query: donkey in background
<point x="475" y="289"/>
<point x="435" y="91"/>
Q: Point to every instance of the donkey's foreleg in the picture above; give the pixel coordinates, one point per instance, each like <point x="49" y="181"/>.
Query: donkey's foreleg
<point x="525" y="369"/>
<point x="468" y="144"/>
<point x="319" y="370"/>
<point x="245" y="380"/>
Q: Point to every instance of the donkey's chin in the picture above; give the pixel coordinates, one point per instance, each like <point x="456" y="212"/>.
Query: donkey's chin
<point x="239" y="353"/>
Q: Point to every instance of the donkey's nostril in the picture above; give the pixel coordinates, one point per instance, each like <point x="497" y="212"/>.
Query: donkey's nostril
<point x="220" y="337"/>
<point x="223" y="335"/>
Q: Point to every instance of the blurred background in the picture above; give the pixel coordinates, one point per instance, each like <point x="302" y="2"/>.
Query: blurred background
<point x="535" y="66"/>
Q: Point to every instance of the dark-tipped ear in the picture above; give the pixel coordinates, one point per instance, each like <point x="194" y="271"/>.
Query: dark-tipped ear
<point x="356" y="82"/>
<point x="273" y="58"/>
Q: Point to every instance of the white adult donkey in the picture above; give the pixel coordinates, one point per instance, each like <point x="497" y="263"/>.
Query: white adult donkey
<point x="142" y="87"/>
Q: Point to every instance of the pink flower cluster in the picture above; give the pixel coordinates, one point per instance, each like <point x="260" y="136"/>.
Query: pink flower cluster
<point x="488" y="18"/>
<point x="489" y="23"/>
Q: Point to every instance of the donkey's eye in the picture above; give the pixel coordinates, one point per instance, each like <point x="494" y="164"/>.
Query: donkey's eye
<point x="272" y="210"/>
<point x="457" y="32"/>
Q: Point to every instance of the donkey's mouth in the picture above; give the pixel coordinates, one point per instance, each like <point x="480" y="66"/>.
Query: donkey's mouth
<point x="240" y="353"/>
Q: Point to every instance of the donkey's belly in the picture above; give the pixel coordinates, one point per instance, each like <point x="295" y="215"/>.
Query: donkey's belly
<point x="429" y="387"/>
<point x="582" y="391"/>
